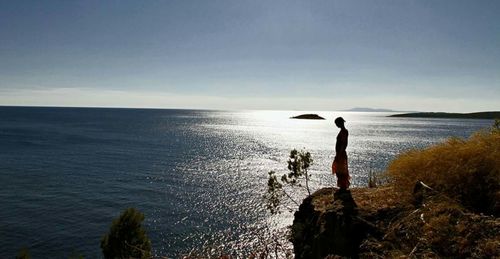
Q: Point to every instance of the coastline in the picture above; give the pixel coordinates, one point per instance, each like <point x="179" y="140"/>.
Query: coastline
<point x="489" y="115"/>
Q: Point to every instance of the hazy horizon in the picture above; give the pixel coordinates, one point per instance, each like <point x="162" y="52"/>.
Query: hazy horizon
<point x="252" y="55"/>
<point x="375" y="109"/>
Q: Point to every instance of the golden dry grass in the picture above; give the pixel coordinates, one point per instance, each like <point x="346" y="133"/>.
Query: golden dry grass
<point x="443" y="229"/>
<point x="466" y="170"/>
<point x="465" y="175"/>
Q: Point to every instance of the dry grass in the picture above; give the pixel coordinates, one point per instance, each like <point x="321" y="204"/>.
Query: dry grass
<point x="367" y="199"/>
<point x="442" y="229"/>
<point x="465" y="175"/>
<point x="466" y="170"/>
<point x="380" y="198"/>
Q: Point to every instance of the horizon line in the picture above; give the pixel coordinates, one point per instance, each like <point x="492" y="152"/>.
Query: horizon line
<point x="211" y="109"/>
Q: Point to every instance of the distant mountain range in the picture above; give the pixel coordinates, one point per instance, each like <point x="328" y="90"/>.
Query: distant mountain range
<point x="363" y="109"/>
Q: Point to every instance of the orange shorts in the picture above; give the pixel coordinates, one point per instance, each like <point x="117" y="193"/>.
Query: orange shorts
<point x="339" y="168"/>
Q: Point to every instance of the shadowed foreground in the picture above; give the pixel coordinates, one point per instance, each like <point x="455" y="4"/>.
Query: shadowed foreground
<point x="380" y="225"/>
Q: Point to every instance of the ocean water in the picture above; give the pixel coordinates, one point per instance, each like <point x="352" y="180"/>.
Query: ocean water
<point x="198" y="176"/>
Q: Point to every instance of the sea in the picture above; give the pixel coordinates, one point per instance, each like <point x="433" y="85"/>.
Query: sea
<point x="197" y="175"/>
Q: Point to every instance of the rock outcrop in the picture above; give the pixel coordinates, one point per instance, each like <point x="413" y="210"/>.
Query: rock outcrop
<point x="384" y="224"/>
<point x="323" y="227"/>
<point x="308" y="117"/>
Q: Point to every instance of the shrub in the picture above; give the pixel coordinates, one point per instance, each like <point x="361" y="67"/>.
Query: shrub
<point x="298" y="165"/>
<point x="465" y="170"/>
<point x="23" y="254"/>
<point x="127" y="238"/>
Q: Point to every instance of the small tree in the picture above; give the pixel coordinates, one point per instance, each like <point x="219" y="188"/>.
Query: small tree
<point x="274" y="193"/>
<point x="127" y="238"/>
<point x="298" y="165"/>
<point x="23" y="254"/>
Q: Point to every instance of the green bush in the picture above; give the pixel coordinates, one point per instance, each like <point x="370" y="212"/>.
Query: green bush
<point x="23" y="254"/>
<point x="127" y="238"/>
<point x="298" y="165"/>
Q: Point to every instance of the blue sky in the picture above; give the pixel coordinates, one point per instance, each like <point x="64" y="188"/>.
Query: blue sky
<point x="304" y="55"/>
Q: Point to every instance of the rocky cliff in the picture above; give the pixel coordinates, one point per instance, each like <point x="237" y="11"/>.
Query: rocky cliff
<point x="377" y="223"/>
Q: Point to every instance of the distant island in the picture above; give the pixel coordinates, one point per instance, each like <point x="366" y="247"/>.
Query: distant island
<point x="364" y="109"/>
<point x="475" y="115"/>
<point x="308" y="117"/>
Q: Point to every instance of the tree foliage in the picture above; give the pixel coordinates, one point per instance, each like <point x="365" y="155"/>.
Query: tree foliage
<point x="23" y="254"/>
<point x="127" y="238"/>
<point x="274" y="193"/>
<point x="298" y="165"/>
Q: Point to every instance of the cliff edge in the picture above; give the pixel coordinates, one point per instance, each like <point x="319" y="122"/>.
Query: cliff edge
<point x="377" y="223"/>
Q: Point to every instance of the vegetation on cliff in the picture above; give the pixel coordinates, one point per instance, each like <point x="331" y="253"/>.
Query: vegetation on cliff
<point x="298" y="166"/>
<point x="465" y="170"/>
<point x="441" y="201"/>
<point x="455" y="214"/>
<point x="127" y="238"/>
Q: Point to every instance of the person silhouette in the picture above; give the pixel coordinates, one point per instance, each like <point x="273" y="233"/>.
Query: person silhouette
<point x="339" y="165"/>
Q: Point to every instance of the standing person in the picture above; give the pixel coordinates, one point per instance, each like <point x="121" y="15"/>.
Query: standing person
<point x="339" y="165"/>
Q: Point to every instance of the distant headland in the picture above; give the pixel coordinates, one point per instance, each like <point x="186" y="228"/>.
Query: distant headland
<point x="475" y="115"/>
<point x="308" y="117"/>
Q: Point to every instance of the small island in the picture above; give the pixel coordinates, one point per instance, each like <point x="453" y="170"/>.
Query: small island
<point x="308" y="117"/>
<point x="445" y="115"/>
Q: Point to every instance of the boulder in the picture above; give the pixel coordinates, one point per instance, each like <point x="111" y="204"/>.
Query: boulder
<point x="334" y="229"/>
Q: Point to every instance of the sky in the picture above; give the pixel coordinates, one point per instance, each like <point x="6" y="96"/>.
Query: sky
<point x="286" y="55"/>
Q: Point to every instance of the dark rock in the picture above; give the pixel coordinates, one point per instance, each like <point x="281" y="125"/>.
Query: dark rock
<point x="336" y="230"/>
<point x="308" y="117"/>
<point x="420" y="192"/>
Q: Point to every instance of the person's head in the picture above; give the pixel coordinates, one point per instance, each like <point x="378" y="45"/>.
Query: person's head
<point x="339" y="121"/>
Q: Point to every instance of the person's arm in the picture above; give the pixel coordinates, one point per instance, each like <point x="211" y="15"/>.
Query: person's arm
<point x="343" y="144"/>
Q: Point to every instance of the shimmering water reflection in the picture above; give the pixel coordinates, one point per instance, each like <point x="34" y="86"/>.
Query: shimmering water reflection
<point x="198" y="176"/>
